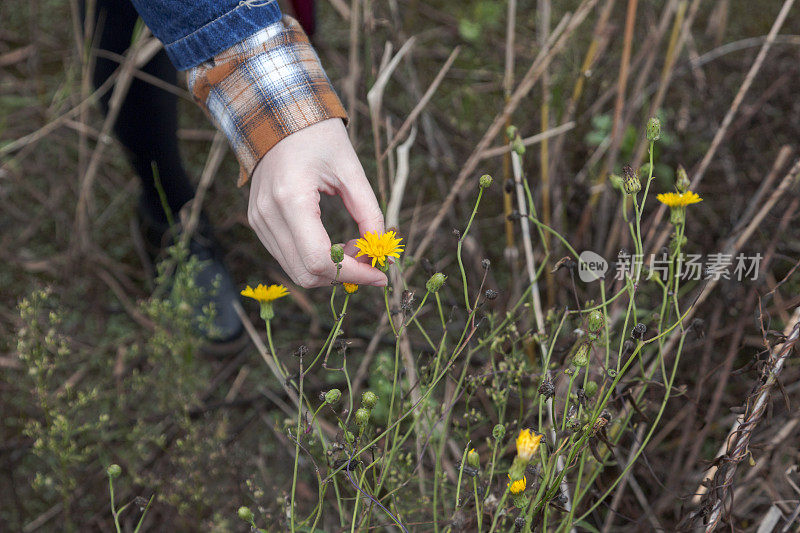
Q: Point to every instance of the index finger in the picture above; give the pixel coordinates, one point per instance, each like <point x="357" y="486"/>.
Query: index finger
<point x="314" y="246"/>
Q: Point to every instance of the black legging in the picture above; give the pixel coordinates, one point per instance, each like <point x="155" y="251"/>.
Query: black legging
<point x="147" y="123"/>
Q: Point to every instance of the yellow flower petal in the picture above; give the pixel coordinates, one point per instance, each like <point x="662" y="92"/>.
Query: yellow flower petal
<point x="379" y="247"/>
<point x="264" y="294"/>
<point x="527" y="443"/>
<point x="673" y="199"/>
<point x="350" y="288"/>
<point x="515" y="487"/>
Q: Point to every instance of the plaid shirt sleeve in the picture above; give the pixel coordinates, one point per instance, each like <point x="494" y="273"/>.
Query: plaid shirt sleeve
<point x="263" y="89"/>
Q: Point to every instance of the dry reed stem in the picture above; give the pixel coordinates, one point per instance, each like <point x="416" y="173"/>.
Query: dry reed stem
<point x="738" y="451"/>
<point x="528" y="141"/>
<point x="375" y="101"/>
<point x="423" y="102"/>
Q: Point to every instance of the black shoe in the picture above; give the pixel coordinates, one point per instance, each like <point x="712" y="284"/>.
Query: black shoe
<point x="226" y="334"/>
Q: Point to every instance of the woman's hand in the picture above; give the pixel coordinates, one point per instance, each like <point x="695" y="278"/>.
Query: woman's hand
<point x="284" y="204"/>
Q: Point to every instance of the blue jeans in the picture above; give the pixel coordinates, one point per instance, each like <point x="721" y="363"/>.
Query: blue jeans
<point x="194" y="31"/>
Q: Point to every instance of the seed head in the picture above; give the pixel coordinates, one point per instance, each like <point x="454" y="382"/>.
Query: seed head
<point x="485" y="263"/>
<point x="491" y="294"/>
<point x="630" y="182"/>
<point x="547" y="389"/>
<point x="638" y="331"/>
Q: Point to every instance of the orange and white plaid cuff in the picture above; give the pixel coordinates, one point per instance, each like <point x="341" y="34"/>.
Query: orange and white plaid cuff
<point x="263" y="89"/>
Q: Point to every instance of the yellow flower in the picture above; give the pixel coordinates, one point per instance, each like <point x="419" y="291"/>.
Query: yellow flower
<point x="379" y="247"/>
<point x="350" y="288"/>
<point x="527" y="443"/>
<point x="265" y="294"/>
<point x="674" y="199"/>
<point x="515" y="487"/>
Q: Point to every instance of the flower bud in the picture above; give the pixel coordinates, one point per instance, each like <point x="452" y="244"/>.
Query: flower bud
<point x="581" y="357"/>
<point x="333" y="396"/>
<point x="435" y="282"/>
<point x="485" y="181"/>
<point x="682" y="182"/>
<point x="245" y="514"/>
<point x="590" y="389"/>
<point x="369" y="399"/>
<point x="113" y="471"/>
<point x="630" y="183"/>
<point x="596" y="321"/>
<point x="499" y="431"/>
<point x="527" y="443"/>
<point x="473" y="459"/>
<point x="653" y="129"/>
<point x="362" y="417"/>
<point x="349" y="437"/>
<point x="616" y="181"/>
<point x="337" y="253"/>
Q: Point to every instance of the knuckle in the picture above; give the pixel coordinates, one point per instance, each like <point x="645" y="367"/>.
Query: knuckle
<point x="317" y="265"/>
<point x="282" y="194"/>
<point x="306" y="280"/>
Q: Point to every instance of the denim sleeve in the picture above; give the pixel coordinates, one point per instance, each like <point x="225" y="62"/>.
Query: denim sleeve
<point x="194" y="31"/>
